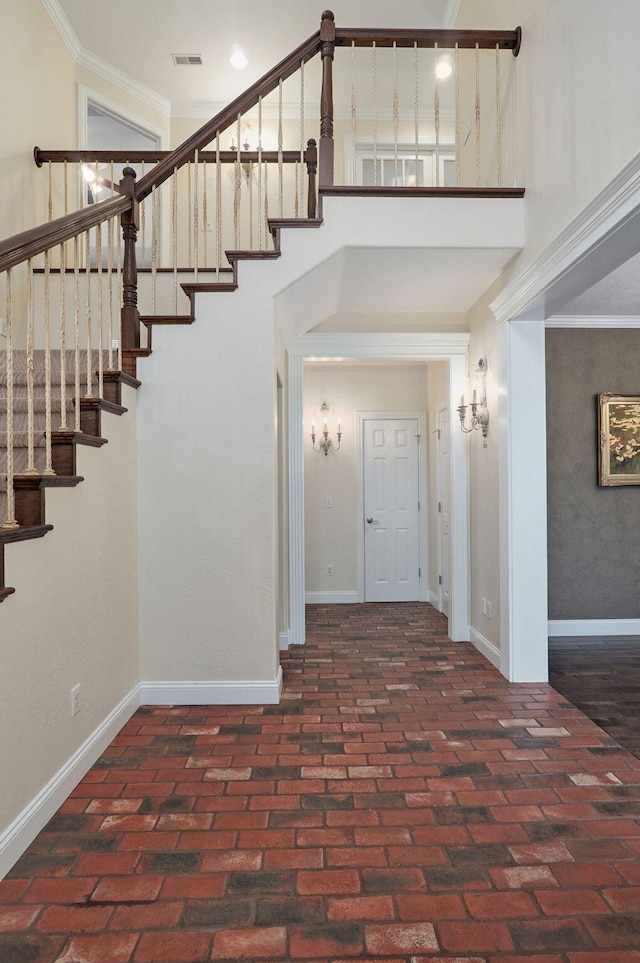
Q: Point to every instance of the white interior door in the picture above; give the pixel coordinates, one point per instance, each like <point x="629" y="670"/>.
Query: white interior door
<point x="391" y="510"/>
<point x="443" y="482"/>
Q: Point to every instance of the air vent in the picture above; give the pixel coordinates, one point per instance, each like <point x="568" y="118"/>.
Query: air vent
<point x="187" y="60"/>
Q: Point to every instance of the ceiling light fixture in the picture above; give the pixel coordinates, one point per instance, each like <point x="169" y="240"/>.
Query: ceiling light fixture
<point x="237" y="58"/>
<point x="443" y="69"/>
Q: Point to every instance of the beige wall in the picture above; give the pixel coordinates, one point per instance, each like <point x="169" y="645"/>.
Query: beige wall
<point x="73" y="618"/>
<point x="37" y="77"/>
<point x="438" y="394"/>
<point x="483" y="469"/>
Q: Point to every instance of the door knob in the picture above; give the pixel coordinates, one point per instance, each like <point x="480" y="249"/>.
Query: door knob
<point x="373" y="521"/>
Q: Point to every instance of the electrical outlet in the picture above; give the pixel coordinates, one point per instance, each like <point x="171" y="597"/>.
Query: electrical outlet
<point x="329" y="569"/>
<point x="488" y="612"/>
<point x="75" y="700"/>
<point x="328" y="502"/>
<point x="209" y="226"/>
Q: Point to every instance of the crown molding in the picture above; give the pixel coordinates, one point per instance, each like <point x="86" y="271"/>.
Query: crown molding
<point x="592" y="321"/>
<point x="118" y="77"/>
<point x="59" y="20"/>
<point x="99" y="66"/>
<point x="451" y="14"/>
<point x="614" y="205"/>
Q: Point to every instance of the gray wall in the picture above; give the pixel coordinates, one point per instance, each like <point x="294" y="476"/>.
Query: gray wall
<point x="594" y="533"/>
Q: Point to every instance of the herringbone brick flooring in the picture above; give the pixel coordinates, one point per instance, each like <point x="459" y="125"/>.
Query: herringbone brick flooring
<point x="403" y="804"/>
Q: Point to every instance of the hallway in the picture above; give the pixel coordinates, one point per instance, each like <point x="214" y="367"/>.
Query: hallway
<point x="403" y="803"/>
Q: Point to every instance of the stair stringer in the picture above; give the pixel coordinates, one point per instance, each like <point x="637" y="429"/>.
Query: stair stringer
<point x="207" y="448"/>
<point x="72" y="619"/>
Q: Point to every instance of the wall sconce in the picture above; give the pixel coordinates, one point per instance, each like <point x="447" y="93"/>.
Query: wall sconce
<point x="247" y="166"/>
<point x="479" y="410"/>
<point x="325" y="444"/>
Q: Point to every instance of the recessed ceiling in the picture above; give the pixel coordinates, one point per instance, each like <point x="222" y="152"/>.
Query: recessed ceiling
<point x="138" y="37"/>
<point x="367" y="282"/>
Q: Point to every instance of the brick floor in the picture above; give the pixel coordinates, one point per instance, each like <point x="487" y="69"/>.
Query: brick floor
<point x="403" y="804"/>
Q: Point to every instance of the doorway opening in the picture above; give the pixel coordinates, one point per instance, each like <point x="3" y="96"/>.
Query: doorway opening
<point x="327" y="520"/>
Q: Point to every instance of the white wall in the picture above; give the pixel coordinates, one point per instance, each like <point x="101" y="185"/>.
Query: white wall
<point x="72" y="619"/>
<point x="330" y="533"/>
<point x="577" y="101"/>
<point x="207" y="468"/>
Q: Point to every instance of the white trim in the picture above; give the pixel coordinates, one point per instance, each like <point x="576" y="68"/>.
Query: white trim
<point x="101" y="67"/>
<point x="23" y="830"/>
<point x="608" y="212"/>
<point x="522" y="501"/>
<point x="120" y="79"/>
<point x="418" y="346"/>
<point x="86" y="95"/>
<point x="212" y="693"/>
<point x="295" y="402"/>
<point x="451" y="14"/>
<point x="59" y="19"/>
<point x="561" y="628"/>
<point x="592" y="321"/>
<point x="484" y="647"/>
<point x="459" y="589"/>
<point x="432" y="599"/>
<point x="438" y="513"/>
<point x="283" y="641"/>
<point x="423" y="495"/>
<point x="331" y="598"/>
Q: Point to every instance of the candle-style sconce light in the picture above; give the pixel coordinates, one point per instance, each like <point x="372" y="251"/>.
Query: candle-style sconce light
<point x="479" y="410"/>
<point x="325" y="442"/>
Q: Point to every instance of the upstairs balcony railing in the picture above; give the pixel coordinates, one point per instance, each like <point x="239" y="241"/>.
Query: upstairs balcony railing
<point x="357" y="111"/>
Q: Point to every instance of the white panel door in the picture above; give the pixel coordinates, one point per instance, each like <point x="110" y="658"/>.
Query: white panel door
<point x="391" y="529"/>
<point x="444" y="511"/>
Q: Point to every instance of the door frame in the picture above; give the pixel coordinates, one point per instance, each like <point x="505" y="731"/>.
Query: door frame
<point x="439" y="536"/>
<point x="439" y="346"/>
<point x="423" y="515"/>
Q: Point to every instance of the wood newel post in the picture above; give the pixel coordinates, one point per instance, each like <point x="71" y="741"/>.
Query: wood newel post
<point x="311" y="160"/>
<point x="130" y="317"/>
<point x="327" y="42"/>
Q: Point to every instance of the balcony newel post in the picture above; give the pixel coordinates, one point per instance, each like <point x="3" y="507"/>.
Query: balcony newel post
<point x="311" y="160"/>
<point x="328" y="42"/>
<point x="130" y="317"/>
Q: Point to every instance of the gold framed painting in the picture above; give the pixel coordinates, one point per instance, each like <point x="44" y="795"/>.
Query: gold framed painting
<point x="619" y="435"/>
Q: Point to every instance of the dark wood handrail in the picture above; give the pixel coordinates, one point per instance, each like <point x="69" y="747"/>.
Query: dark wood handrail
<point x="28" y="244"/>
<point x="265" y="85"/>
<point x="445" y="39"/>
<point x="155" y="156"/>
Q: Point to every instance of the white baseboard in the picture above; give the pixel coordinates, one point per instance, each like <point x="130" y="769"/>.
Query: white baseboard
<point x="330" y="598"/>
<point x="23" y="830"/>
<point x="486" y="648"/>
<point x="283" y="640"/>
<point x="211" y="693"/>
<point x="432" y="598"/>
<point x="559" y="628"/>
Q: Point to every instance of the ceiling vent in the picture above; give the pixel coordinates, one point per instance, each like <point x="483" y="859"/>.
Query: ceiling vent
<point x="187" y="60"/>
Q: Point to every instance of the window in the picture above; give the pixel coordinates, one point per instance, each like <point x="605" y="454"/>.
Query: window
<point x="401" y="169"/>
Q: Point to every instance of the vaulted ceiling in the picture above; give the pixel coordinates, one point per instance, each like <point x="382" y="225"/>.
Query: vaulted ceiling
<point x="138" y="37"/>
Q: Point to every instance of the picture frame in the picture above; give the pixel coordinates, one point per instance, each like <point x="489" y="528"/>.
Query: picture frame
<point x="619" y="440"/>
